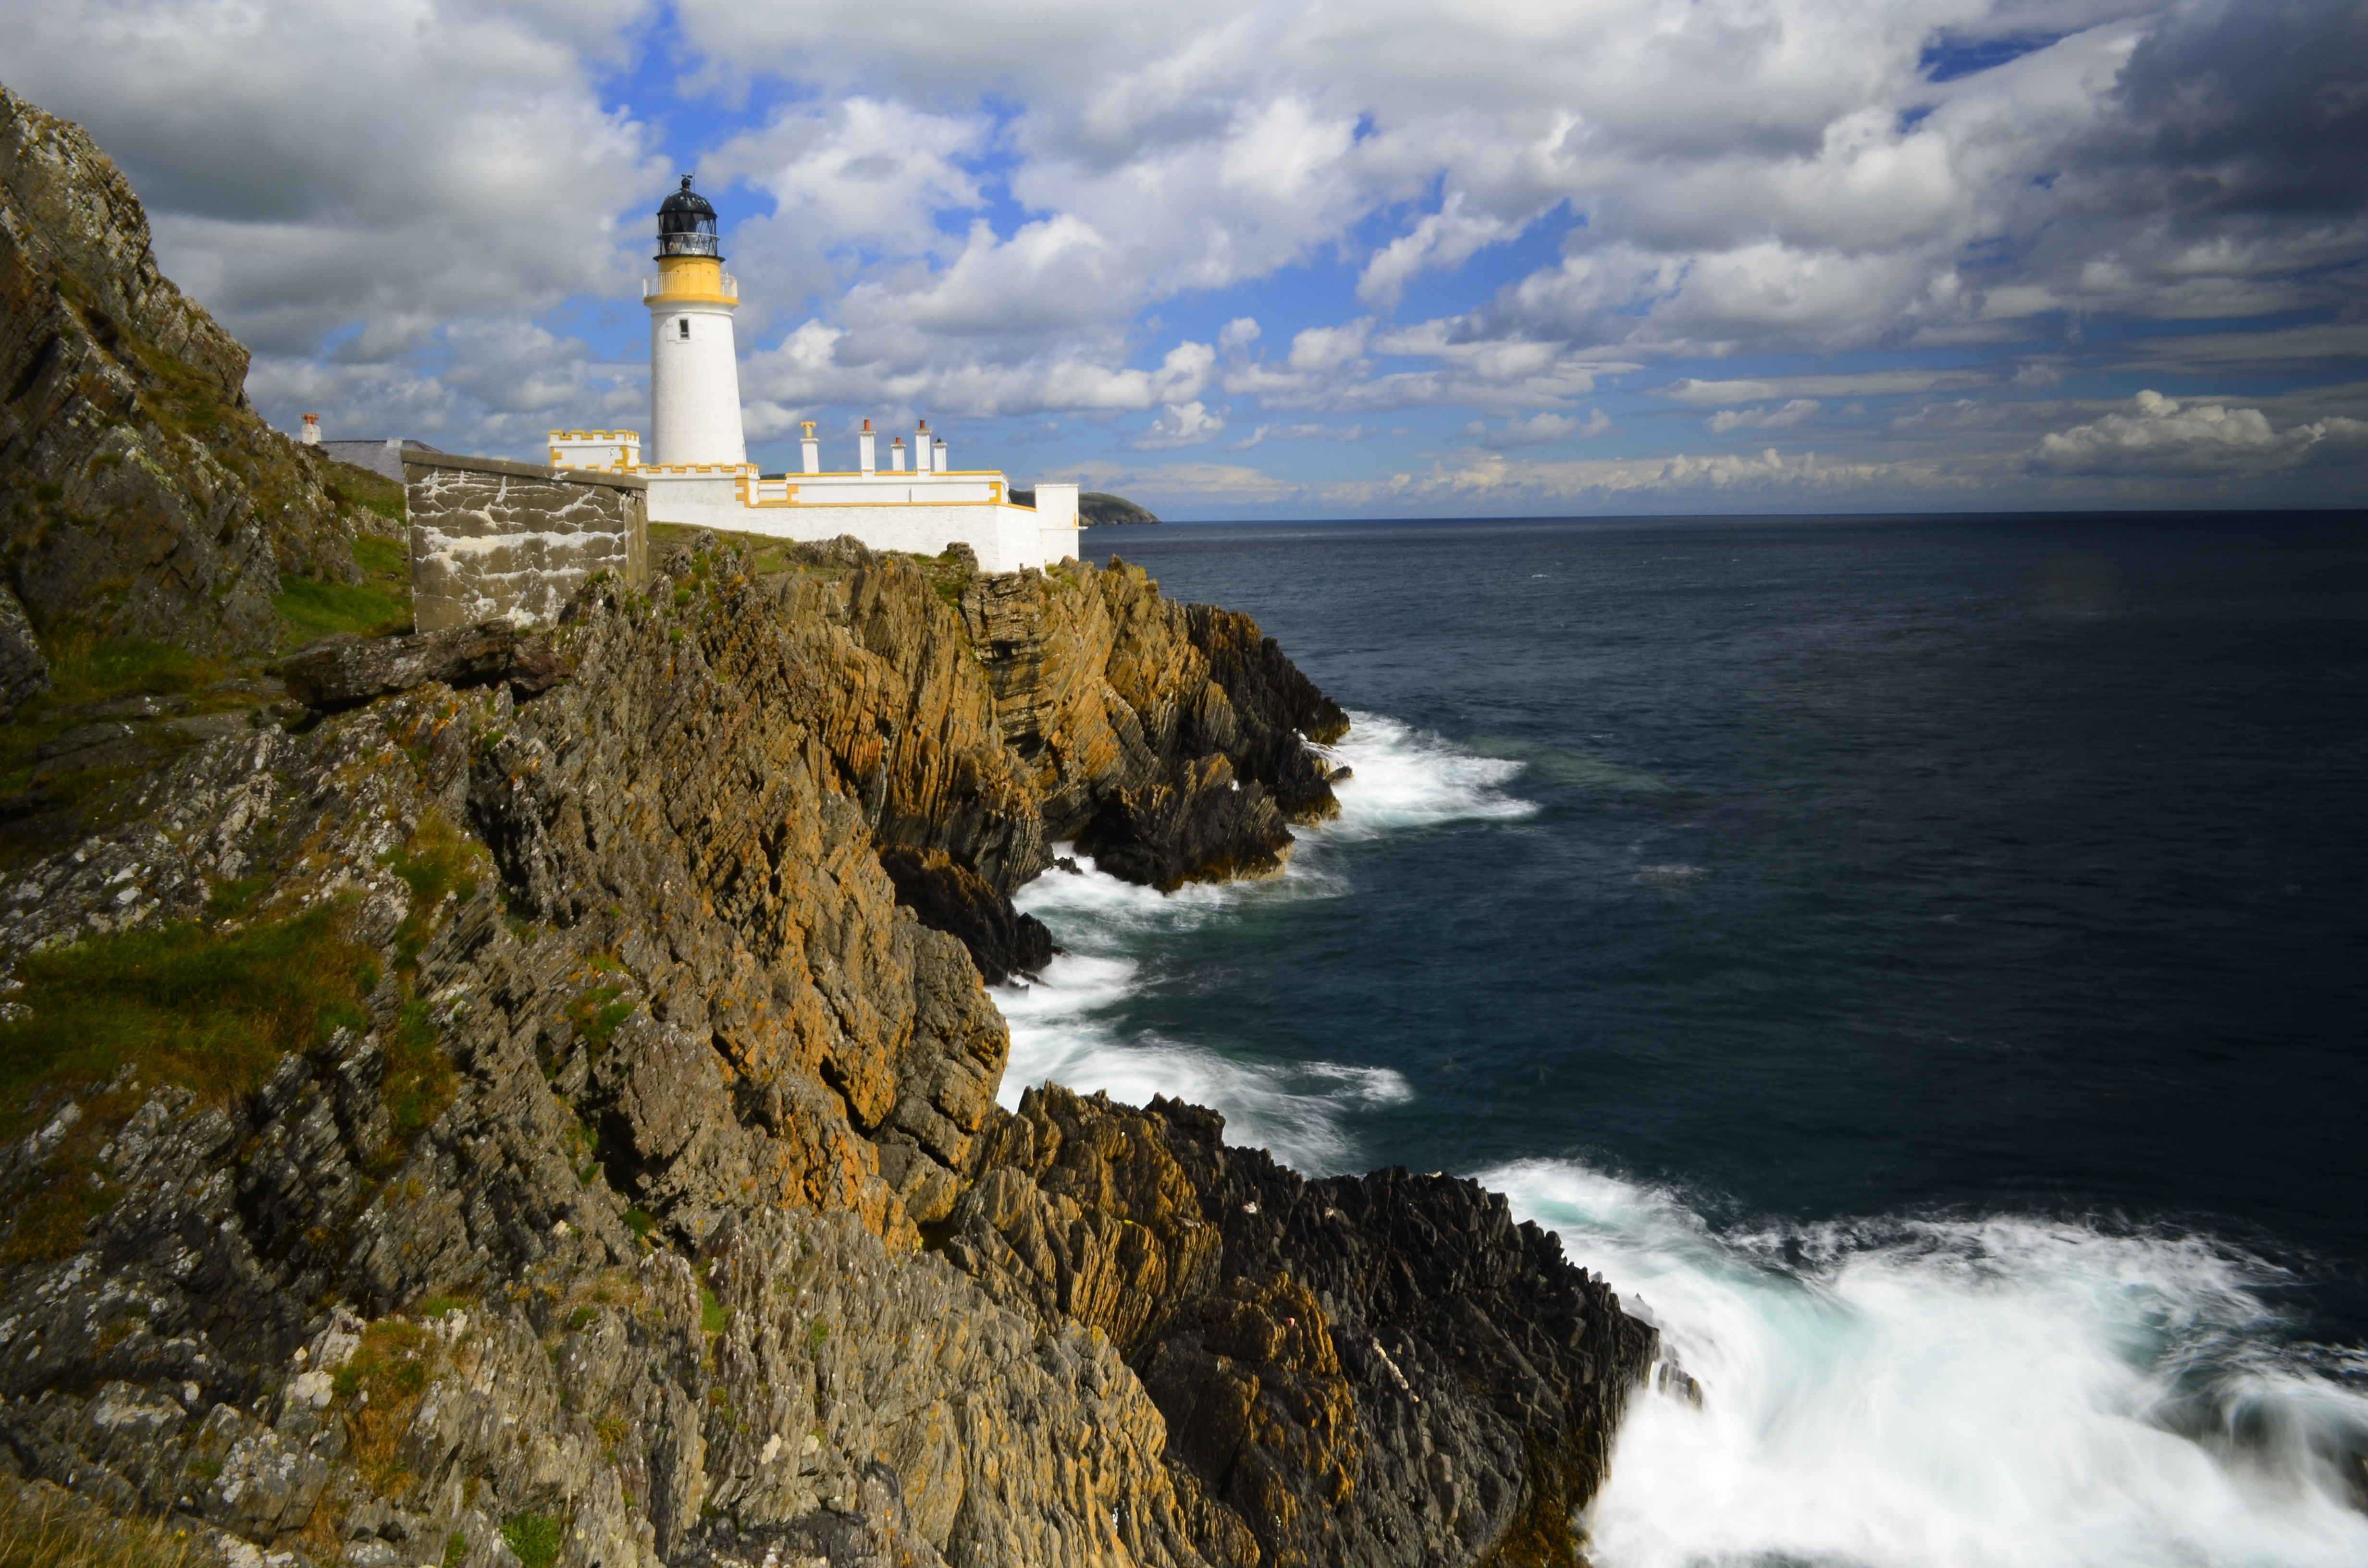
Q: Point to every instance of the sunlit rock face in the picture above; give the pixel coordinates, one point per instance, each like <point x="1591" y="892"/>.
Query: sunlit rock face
<point x="626" y="1183"/>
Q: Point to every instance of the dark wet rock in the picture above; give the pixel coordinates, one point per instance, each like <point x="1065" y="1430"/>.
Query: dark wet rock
<point x="1201" y="827"/>
<point x="952" y="898"/>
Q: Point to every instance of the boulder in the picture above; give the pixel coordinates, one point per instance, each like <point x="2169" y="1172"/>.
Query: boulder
<point x="338" y="671"/>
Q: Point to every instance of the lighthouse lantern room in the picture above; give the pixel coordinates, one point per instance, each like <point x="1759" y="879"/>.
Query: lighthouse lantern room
<point x="694" y="367"/>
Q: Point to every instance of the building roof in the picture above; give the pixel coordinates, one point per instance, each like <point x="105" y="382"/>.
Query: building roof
<point x="686" y="213"/>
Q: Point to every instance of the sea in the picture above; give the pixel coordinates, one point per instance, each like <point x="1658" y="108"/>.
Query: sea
<point x="1922" y="961"/>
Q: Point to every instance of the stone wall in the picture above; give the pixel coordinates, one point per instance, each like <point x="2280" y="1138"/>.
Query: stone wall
<point x="492" y="539"/>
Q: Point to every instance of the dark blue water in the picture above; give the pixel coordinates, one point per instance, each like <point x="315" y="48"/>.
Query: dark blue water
<point x="1862" y="872"/>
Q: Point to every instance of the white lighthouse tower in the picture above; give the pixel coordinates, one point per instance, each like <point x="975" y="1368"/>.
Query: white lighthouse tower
<point x="694" y="369"/>
<point x="698" y="472"/>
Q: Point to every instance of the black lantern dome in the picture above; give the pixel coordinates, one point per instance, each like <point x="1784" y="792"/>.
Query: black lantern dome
<point x="687" y="224"/>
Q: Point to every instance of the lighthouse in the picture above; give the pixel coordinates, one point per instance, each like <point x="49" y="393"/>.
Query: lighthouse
<point x="694" y="369"/>
<point x="697" y="474"/>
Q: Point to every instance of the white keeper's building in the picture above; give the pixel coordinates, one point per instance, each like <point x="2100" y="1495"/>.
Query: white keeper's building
<point x="701" y="473"/>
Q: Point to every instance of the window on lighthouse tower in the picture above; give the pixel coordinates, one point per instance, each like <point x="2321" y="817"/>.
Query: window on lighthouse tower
<point x="682" y="329"/>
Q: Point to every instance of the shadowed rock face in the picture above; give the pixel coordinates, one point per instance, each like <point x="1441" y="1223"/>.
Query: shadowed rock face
<point x="1360" y="1369"/>
<point x="336" y="672"/>
<point x="139" y="495"/>
<point x="705" y="1013"/>
<point x="656" y="1201"/>
<point x="952" y="898"/>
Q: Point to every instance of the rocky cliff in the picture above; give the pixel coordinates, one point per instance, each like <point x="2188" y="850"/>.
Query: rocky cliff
<point x="139" y="495"/>
<point x="547" y="1116"/>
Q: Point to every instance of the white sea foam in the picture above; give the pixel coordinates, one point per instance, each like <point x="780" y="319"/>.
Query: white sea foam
<point x="1116" y="933"/>
<point x="2000" y="1393"/>
<point x="1955" y="1395"/>
<point x="1062" y="1028"/>
<point x="1404" y="777"/>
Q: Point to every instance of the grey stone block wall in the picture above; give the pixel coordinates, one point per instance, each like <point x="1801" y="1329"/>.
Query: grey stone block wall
<point x="492" y="539"/>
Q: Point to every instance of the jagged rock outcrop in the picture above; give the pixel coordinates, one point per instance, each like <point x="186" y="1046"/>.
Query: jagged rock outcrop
<point x="1123" y="710"/>
<point x="140" y="495"/>
<point x="634" y="1191"/>
<point x="339" y="671"/>
<point x="1355" y="1371"/>
<point x="951" y="897"/>
<point x="705" y="1048"/>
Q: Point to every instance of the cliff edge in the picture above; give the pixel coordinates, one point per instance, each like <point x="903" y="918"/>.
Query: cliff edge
<point x="548" y="1119"/>
<point x="141" y="497"/>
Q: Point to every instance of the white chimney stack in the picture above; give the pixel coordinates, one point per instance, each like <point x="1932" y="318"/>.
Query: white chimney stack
<point x="941" y="455"/>
<point x="863" y="450"/>
<point x="896" y="454"/>
<point x="312" y="429"/>
<point x="813" y="446"/>
<point x="921" y="448"/>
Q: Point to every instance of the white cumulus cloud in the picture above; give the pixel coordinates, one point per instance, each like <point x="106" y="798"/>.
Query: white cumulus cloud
<point x="2161" y="436"/>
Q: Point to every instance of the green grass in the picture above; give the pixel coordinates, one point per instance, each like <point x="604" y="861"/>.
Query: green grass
<point x="210" y="1010"/>
<point x="596" y="1015"/>
<point x="419" y="1081"/>
<point x="233" y="899"/>
<point x="535" y="1539"/>
<point x="362" y="487"/>
<point x="204" y="1008"/>
<point x="85" y="668"/>
<point x="51" y="1530"/>
<point x="437" y="860"/>
<point x="379" y="604"/>
<point x="309" y="609"/>
<point x="712" y="1314"/>
<point x="383" y="557"/>
<point x="182" y="399"/>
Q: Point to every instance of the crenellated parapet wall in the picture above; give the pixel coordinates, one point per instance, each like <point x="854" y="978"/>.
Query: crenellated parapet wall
<point x="493" y="539"/>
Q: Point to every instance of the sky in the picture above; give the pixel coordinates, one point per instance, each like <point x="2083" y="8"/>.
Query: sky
<point x="1301" y="259"/>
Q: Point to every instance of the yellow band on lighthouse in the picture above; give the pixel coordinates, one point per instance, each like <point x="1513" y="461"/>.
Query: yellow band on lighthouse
<point x="686" y="279"/>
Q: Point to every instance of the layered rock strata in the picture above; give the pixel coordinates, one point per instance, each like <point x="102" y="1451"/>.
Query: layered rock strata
<point x="139" y="495"/>
<point x="638" y="1193"/>
<point x="705" y="1049"/>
